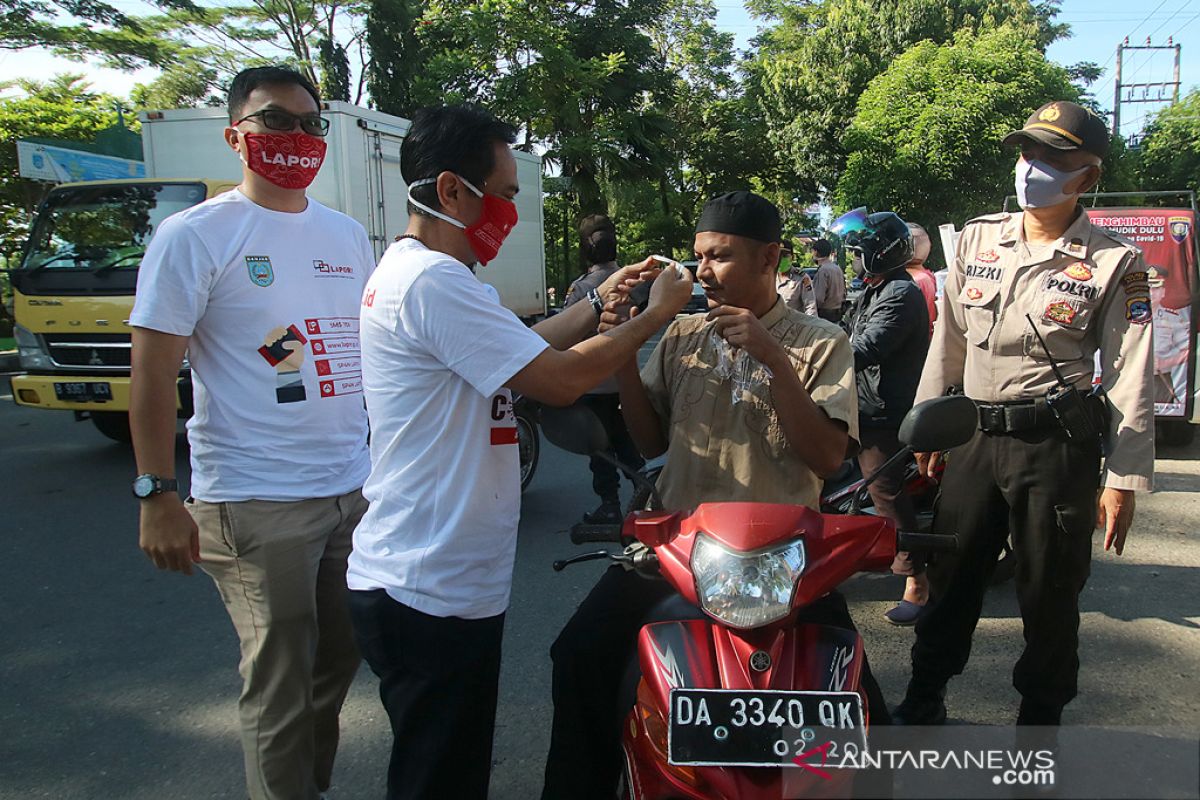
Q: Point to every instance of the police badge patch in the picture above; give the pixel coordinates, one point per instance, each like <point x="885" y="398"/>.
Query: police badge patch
<point x="1061" y="312"/>
<point x="1079" y="271"/>
<point x="1137" y="310"/>
<point x="1179" y="227"/>
<point x="260" y="270"/>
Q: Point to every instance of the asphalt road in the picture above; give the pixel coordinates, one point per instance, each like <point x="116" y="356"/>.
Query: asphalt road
<point x="118" y="681"/>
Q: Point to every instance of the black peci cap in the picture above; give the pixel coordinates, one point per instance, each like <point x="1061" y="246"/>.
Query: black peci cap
<point x="1064" y="125"/>
<point x="741" y="214"/>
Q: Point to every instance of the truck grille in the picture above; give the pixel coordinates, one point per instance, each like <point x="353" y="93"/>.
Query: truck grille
<point x="101" y="352"/>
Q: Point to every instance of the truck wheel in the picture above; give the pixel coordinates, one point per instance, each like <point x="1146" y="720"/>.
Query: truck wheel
<point x="1176" y="433"/>
<point x="113" y="424"/>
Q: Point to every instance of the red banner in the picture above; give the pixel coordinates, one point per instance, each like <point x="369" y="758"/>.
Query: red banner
<point x="1167" y="239"/>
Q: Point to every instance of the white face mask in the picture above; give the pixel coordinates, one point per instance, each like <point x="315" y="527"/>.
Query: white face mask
<point x="1040" y="185"/>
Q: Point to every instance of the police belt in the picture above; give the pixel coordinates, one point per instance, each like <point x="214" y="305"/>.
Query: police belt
<point x="1017" y="416"/>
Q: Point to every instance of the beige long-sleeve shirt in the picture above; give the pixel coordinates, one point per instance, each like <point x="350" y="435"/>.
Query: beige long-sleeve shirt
<point x="1086" y="292"/>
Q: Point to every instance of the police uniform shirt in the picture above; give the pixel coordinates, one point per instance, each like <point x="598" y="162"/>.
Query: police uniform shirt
<point x="721" y="451"/>
<point x="1087" y="291"/>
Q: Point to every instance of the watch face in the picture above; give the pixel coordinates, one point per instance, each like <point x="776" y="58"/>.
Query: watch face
<point x="143" y="486"/>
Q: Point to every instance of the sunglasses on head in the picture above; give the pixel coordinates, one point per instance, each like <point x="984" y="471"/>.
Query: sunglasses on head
<point x="276" y="120"/>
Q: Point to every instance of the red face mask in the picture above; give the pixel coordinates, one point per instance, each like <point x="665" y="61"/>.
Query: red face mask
<point x="288" y="160"/>
<point x="485" y="235"/>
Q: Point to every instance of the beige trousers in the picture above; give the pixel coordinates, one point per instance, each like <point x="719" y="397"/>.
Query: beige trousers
<point x="280" y="568"/>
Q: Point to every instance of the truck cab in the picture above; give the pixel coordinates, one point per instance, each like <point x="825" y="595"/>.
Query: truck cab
<point x="73" y="294"/>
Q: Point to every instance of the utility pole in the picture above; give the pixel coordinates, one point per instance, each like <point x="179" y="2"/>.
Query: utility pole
<point x="1117" y="89"/>
<point x="1164" y="92"/>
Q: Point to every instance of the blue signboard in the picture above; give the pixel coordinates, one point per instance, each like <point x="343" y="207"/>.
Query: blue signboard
<point x="45" y="162"/>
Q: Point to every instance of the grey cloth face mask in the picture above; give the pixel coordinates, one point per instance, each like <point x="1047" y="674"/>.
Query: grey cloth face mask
<point x="1040" y="185"/>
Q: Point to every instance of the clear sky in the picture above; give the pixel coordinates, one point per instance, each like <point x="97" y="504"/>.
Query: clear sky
<point x="1097" y="25"/>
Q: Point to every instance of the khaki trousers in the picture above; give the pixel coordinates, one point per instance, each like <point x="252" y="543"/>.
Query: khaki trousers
<point x="280" y="568"/>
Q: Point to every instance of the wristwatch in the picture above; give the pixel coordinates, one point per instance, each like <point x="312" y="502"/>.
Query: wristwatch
<point x="593" y="297"/>
<point x="147" y="485"/>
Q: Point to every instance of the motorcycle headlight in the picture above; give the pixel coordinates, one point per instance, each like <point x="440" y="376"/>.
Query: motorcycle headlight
<point x="30" y="352"/>
<point x="746" y="590"/>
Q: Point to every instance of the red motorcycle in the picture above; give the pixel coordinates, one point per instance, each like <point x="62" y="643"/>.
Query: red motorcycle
<point x="743" y="698"/>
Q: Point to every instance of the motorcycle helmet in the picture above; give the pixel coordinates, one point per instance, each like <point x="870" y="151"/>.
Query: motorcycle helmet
<point x="885" y="243"/>
<point x="921" y="244"/>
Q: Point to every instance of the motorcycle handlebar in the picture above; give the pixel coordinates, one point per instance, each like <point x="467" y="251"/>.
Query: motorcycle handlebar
<point x="583" y="533"/>
<point x="926" y="542"/>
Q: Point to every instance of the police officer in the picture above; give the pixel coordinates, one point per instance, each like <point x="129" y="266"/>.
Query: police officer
<point x="1030" y="294"/>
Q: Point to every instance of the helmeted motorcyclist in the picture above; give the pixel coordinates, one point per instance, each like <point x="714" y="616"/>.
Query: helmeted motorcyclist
<point x="889" y="334"/>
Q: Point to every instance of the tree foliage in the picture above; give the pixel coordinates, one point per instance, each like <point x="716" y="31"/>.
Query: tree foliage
<point x="820" y="56"/>
<point x="1169" y="157"/>
<point x="925" y="141"/>
<point x="577" y="78"/>
<point x="81" y="28"/>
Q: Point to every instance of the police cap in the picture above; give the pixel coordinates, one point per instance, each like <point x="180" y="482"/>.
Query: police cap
<point x="1064" y="125"/>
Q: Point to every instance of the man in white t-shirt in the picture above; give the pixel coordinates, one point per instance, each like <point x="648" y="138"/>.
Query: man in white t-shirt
<point x="261" y="286"/>
<point x="433" y="557"/>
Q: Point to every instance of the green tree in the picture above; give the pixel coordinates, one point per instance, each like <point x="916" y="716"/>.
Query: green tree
<point x="1169" y="157"/>
<point x="396" y="59"/>
<point x="213" y="41"/>
<point x="925" y="141"/>
<point x="579" y="81"/>
<point x="81" y="28"/>
<point x="820" y="56"/>
<point x="717" y="137"/>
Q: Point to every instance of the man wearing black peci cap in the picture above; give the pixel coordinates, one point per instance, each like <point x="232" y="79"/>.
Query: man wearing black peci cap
<point x="1030" y="301"/>
<point x="765" y="430"/>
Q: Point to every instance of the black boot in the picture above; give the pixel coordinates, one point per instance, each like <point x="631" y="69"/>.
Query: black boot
<point x="607" y="513"/>
<point x="921" y="706"/>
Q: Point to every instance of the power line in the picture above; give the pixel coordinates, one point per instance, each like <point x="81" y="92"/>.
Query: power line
<point x="1112" y="77"/>
<point x="1168" y="19"/>
<point x="1146" y="19"/>
<point x="1184" y="25"/>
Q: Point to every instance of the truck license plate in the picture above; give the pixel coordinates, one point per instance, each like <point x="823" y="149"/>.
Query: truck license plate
<point x="83" y="391"/>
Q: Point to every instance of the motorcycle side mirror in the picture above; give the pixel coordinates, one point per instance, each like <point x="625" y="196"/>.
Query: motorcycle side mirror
<point x="575" y="429"/>
<point x="939" y="424"/>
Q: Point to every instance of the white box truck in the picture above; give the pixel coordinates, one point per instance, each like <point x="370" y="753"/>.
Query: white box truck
<point x="360" y="177"/>
<point x="73" y="291"/>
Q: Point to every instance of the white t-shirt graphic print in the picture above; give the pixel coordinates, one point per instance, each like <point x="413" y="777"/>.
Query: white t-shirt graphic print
<point x="269" y="300"/>
<point x="444" y="491"/>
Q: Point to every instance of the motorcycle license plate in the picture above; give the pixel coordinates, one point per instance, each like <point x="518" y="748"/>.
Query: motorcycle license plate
<point x="731" y="727"/>
<point x="83" y="391"/>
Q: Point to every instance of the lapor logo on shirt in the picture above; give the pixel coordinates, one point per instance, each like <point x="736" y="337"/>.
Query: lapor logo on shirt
<point x="260" y="270"/>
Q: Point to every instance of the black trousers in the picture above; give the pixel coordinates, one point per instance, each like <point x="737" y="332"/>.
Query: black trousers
<point x="591" y="657"/>
<point x="438" y="679"/>
<point x="606" y="479"/>
<point x="1044" y="490"/>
